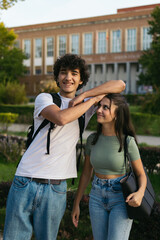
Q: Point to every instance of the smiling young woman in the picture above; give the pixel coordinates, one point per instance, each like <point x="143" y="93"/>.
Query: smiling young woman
<point x="104" y="155"/>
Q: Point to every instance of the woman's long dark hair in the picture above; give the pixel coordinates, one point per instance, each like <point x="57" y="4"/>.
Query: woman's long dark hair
<point x="123" y="123"/>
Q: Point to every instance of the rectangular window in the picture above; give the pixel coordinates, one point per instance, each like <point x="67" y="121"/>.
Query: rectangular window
<point x="49" y="47"/>
<point x="88" y="43"/>
<point x="101" y="42"/>
<point x="38" y="48"/>
<point x="38" y="70"/>
<point x="49" y="70"/>
<point x="116" y="41"/>
<point x="147" y="39"/>
<point x="131" y="40"/>
<point x="75" y="44"/>
<point x="27" y="48"/>
<point x="62" y="45"/>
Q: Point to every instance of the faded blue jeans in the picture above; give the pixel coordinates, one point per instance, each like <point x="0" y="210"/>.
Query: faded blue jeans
<point x="108" y="212"/>
<point x="34" y="207"/>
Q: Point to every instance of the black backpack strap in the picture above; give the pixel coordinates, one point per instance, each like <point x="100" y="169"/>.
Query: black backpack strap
<point x="57" y="101"/>
<point x="81" y="122"/>
<point x="42" y="125"/>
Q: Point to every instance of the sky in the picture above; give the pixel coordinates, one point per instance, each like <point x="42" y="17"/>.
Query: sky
<point x="30" y="12"/>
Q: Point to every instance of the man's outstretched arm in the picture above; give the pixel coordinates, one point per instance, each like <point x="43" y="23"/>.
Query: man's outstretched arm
<point x="112" y="86"/>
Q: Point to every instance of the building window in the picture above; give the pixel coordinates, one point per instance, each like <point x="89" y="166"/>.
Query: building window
<point x="116" y="41"/>
<point x="27" y="48"/>
<point x="17" y="44"/>
<point x="49" y="47"/>
<point x="88" y="43"/>
<point x="49" y="70"/>
<point x="38" y="48"/>
<point x="62" y="45"/>
<point x="101" y="42"/>
<point x="131" y="40"/>
<point x="147" y="39"/>
<point x="75" y="44"/>
<point x="38" y="70"/>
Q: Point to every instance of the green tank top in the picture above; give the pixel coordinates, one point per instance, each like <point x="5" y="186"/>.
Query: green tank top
<point x="104" y="155"/>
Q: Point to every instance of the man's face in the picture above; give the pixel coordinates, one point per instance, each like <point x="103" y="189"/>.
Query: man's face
<point x="69" y="80"/>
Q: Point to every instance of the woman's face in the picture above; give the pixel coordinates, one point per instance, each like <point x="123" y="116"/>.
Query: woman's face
<point x="105" y="112"/>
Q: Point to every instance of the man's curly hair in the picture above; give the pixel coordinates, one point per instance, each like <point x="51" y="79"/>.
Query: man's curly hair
<point x="71" y="62"/>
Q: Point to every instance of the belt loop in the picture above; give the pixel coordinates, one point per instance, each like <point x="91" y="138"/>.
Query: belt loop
<point x="49" y="181"/>
<point x="109" y="182"/>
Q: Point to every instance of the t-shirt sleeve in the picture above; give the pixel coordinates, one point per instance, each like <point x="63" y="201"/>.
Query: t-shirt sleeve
<point x="133" y="149"/>
<point x="42" y="101"/>
<point x="89" y="145"/>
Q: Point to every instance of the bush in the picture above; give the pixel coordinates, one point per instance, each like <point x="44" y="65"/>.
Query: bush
<point x="12" y="93"/>
<point x="136" y="99"/>
<point x="4" y="189"/>
<point x="11" y="149"/>
<point x="146" y="124"/>
<point x="7" y="118"/>
<point x="151" y="158"/>
<point x="25" y="112"/>
<point x="152" y="105"/>
<point x="49" y="86"/>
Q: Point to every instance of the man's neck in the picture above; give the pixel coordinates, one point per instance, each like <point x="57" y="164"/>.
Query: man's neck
<point x="67" y="95"/>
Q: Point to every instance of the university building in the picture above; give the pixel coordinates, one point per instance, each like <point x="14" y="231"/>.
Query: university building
<point x="110" y="44"/>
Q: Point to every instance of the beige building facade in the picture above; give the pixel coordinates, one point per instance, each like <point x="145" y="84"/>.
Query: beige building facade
<point x="110" y="44"/>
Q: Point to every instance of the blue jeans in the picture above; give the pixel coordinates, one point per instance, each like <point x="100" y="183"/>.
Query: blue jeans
<point x="34" y="206"/>
<point x="107" y="209"/>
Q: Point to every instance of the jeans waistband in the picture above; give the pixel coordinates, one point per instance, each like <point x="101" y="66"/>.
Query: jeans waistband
<point x="47" y="181"/>
<point x="108" y="182"/>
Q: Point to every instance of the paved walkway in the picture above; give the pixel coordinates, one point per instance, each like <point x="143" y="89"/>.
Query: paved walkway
<point x="150" y="140"/>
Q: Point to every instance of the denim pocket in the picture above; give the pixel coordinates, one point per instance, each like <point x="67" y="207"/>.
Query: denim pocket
<point x="20" y="182"/>
<point x="61" y="188"/>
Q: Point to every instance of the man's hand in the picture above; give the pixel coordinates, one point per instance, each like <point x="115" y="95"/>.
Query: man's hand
<point x="98" y="98"/>
<point x="76" y="100"/>
<point x="79" y="99"/>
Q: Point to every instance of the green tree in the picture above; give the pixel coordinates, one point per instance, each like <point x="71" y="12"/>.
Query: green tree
<point x="5" y="4"/>
<point x="11" y="58"/>
<point x="150" y="60"/>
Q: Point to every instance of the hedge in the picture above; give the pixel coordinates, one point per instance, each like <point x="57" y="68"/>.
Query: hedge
<point x="25" y="112"/>
<point x="145" y="124"/>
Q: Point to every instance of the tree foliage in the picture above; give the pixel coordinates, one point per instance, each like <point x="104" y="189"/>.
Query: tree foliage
<point x="150" y="60"/>
<point x="11" y="58"/>
<point x="5" y="4"/>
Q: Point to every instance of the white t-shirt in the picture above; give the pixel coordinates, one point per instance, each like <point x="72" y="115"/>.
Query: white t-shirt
<point x="61" y="162"/>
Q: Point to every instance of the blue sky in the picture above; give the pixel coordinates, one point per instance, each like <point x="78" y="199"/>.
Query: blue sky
<point x="41" y="11"/>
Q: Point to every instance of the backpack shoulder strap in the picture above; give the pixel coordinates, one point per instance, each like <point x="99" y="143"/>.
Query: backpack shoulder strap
<point x="57" y="100"/>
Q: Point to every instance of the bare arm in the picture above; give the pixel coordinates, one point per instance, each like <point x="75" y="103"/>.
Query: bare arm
<point x="83" y="183"/>
<point x="135" y="198"/>
<point x="62" y="117"/>
<point x="112" y="86"/>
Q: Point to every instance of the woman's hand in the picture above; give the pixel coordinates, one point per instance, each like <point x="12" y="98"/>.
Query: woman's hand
<point x="75" y="215"/>
<point x="135" y="199"/>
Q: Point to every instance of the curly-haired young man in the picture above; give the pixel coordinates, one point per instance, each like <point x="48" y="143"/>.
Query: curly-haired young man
<point x="37" y="198"/>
